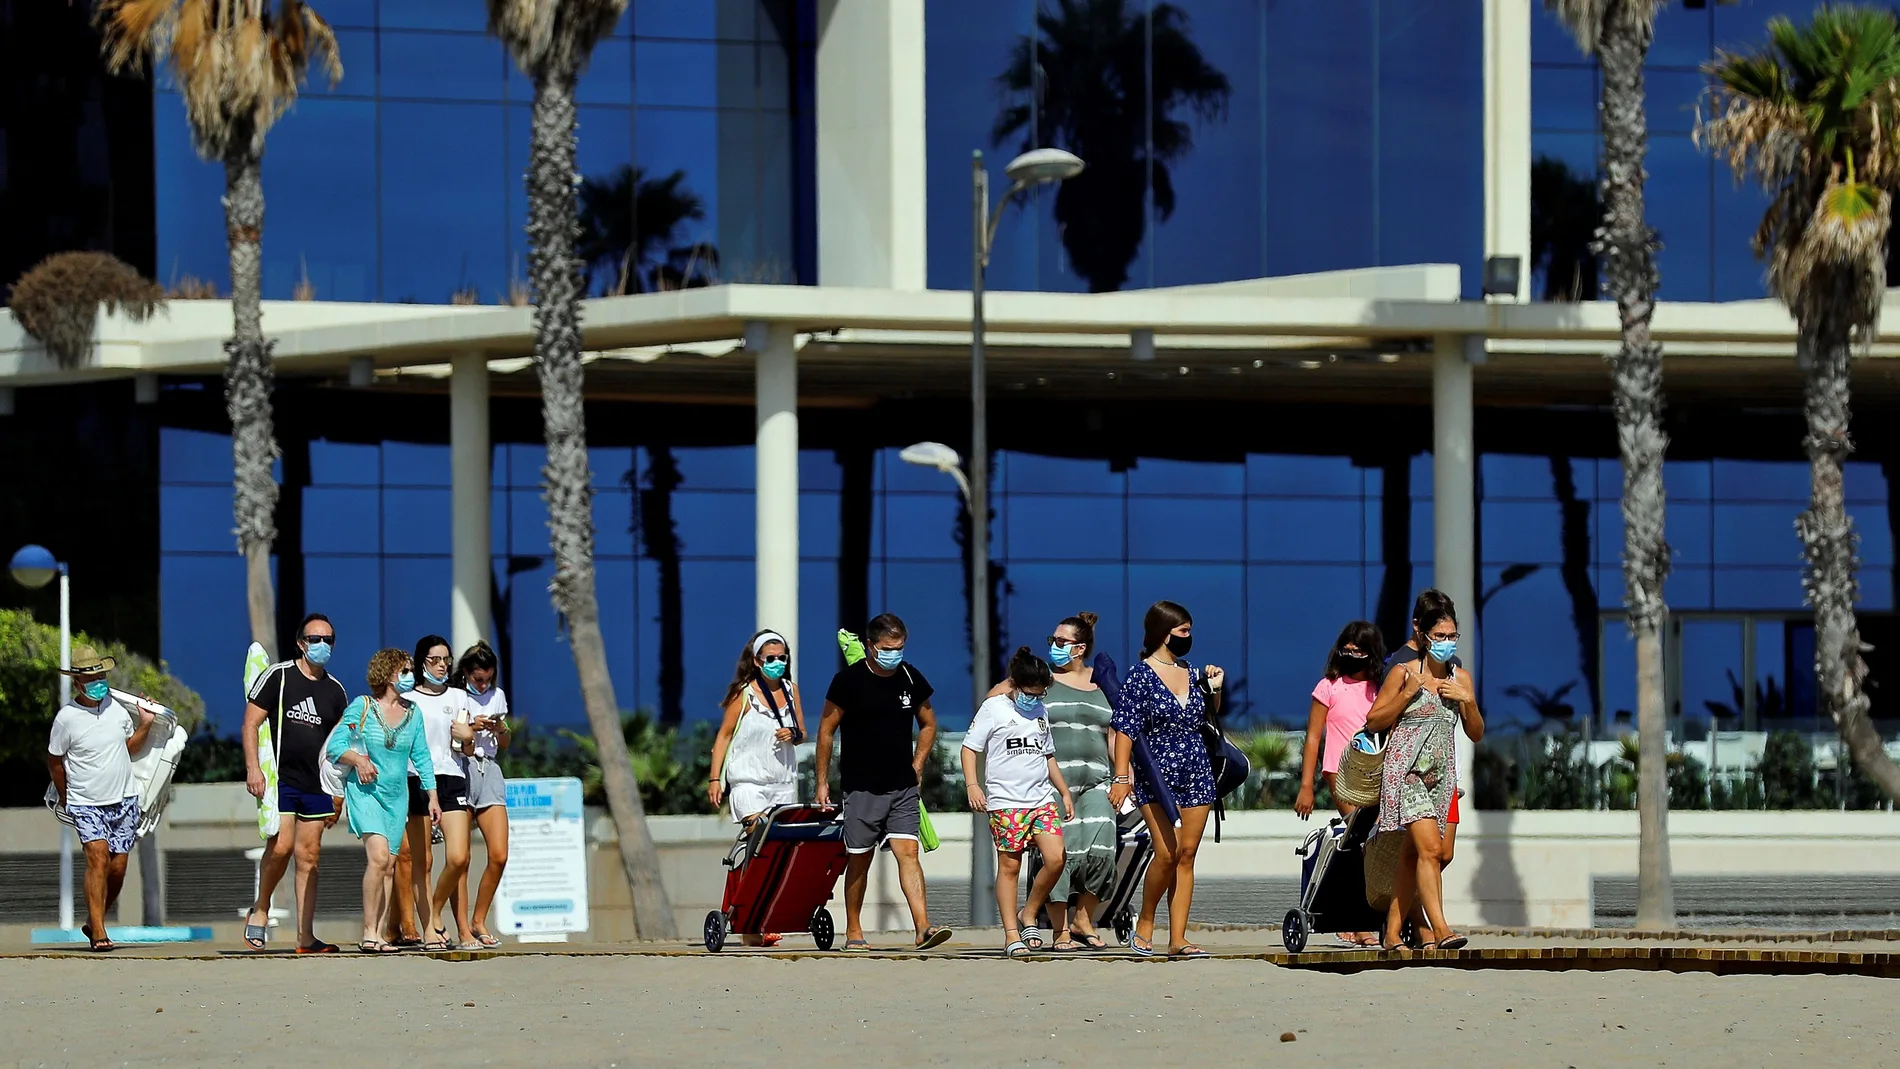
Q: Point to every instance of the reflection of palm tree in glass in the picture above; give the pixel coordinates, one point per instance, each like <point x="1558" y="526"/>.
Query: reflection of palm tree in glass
<point x="630" y="233"/>
<point x="1080" y="83"/>
<point x="660" y="542"/>
<point x="1565" y="211"/>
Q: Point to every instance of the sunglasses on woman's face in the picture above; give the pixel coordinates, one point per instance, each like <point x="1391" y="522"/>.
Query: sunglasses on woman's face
<point x="775" y="658"/>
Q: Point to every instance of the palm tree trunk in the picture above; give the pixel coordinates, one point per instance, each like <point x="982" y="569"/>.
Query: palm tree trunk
<point x="556" y="278"/>
<point x="1829" y="542"/>
<point x="1628" y="245"/>
<point x="248" y="379"/>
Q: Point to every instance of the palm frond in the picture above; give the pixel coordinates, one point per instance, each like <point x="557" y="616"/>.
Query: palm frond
<point x="238" y="64"/>
<point x="1814" y="116"/>
<point x="552" y="36"/>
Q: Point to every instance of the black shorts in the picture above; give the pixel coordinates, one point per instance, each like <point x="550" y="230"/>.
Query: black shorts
<point x="451" y="792"/>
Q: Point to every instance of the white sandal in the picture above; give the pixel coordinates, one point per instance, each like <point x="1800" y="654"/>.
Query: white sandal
<point x="1016" y="949"/>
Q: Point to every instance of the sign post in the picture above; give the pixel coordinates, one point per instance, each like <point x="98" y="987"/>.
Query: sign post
<point x="543" y="893"/>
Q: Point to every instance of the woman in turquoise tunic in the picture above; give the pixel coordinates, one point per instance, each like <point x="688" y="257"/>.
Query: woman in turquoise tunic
<point x="381" y="737"/>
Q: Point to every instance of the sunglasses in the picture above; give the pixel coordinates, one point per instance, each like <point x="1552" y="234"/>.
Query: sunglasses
<point x="776" y="658"/>
<point x="1054" y="641"/>
<point x="319" y="638"/>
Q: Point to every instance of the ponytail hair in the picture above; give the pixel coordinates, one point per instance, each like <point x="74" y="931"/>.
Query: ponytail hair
<point x="1028" y="670"/>
<point x="1084" y="624"/>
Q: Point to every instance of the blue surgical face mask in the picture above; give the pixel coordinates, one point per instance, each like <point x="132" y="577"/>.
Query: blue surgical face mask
<point x="405" y="682"/>
<point x="98" y="689"/>
<point x="1061" y="654"/>
<point x="317" y="653"/>
<point x="477" y="691"/>
<point x="773" y="669"/>
<point x="434" y="680"/>
<point x="889" y="659"/>
<point x="1028" y="704"/>
<point x="1444" y="650"/>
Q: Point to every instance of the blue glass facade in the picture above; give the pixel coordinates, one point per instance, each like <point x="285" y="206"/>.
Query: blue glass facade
<point x="1352" y="136"/>
<point x="404" y="182"/>
<point x="1272" y="546"/>
<point x="1705" y="218"/>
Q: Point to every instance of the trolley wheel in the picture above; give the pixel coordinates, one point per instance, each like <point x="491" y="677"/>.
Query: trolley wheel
<point x="1294" y="930"/>
<point x="822" y="932"/>
<point x="1408" y="934"/>
<point x="1122" y="931"/>
<point x="716" y="929"/>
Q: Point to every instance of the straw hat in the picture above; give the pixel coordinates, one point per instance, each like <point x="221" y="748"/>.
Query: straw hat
<point x="87" y="662"/>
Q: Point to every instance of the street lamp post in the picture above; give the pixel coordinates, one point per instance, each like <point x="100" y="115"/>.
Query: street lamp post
<point x="33" y="567"/>
<point x="1032" y="168"/>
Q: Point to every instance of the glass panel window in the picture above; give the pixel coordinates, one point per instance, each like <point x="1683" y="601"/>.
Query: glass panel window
<point x="1303" y="529"/>
<point x="341" y="521"/>
<point x="1064" y="527"/>
<point x="1185" y="529"/>
<point x="321" y="170"/>
<point x="1564" y="98"/>
<point x="442" y="66"/>
<point x="187" y="456"/>
<point x="675" y="73"/>
<point x="417" y="521"/>
<point x="1041" y="594"/>
<point x="439" y="238"/>
<point x="196" y="519"/>
<point x="432" y="15"/>
<point x="1295" y="613"/>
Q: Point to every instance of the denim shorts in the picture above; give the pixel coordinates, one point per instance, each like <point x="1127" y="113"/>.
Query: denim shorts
<point x="117" y="824"/>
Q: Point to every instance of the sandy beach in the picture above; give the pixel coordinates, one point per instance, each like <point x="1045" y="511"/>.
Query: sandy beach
<point x="629" y="1010"/>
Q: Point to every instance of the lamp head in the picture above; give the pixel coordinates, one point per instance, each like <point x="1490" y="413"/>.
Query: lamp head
<point x="33" y="567"/>
<point x="931" y="455"/>
<point x="1043" y="165"/>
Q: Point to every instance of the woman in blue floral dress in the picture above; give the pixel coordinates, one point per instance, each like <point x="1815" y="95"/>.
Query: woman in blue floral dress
<point x="1163" y="703"/>
<point x="1423" y="704"/>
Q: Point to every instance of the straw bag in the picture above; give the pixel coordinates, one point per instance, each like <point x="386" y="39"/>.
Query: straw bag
<point x="1357" y="781"/>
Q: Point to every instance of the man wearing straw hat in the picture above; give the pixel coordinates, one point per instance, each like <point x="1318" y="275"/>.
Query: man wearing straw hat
<point x="90" y="757"/>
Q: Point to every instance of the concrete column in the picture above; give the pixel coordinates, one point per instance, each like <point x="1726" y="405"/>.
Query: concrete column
<point x="469" y="478"/>
<point x="1507" y="134"/>
<point x="871" y="143"/>
<point x="775" y="498"/>
<point x="1454" y="500"/>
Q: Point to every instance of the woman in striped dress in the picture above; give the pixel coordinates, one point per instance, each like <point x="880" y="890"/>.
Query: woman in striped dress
<point x="1078" y="723"/>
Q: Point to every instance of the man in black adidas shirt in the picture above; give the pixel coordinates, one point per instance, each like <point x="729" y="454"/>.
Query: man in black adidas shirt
<point x="302" y="702"/>
<point x="878" y="701"/>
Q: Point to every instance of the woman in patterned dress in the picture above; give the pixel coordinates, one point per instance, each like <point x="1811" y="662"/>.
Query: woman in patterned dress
<point x="1162" y="703"/>
<point x="1422" y="704"/>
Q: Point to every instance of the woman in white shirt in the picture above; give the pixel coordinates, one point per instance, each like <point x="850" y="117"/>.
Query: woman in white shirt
<point x="446" y="724"/>
<point x="1020" y="783"/>
<point x="487" y="787"/>
<point x="755" y="755"/>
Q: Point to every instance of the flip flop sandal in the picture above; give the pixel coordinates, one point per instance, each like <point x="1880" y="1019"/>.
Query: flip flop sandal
<point x="1144" y="947"/>
<point x="1456" y="942"/>
<point x="1064" y="946"/>
<point x="376" y="946"/>
<point x="934" y="936"/>
<point x="771" y="939"/>
<point x="1091" y="941"/>
<point x="101" y="945"/>
<point x="484" y="939"/>
<point x="1188" y="950"/>
<point x="1017" y="949"/>
<point x="855" y="946"/>
<point x="318" y="947"/>
<point x="407" y="943"/>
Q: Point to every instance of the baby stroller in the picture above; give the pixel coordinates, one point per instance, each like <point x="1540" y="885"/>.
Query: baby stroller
<point x="780" y="874"/>
<point x="1333" y="882"/>
<point x="1133" y="853"/>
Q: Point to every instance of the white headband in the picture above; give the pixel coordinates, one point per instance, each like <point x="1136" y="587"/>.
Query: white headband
<point x="767" y="638"/>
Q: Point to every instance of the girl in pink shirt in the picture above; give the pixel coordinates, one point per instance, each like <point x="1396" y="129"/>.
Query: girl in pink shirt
<point x="1340" y="703"/>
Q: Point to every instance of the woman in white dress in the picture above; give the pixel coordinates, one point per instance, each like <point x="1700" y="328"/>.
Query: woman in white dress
<point x="754" y="757"/>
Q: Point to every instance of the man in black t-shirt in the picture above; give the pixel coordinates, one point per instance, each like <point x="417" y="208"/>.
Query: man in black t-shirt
<point x="877" y="700"/>
<point x="301" y="702"/>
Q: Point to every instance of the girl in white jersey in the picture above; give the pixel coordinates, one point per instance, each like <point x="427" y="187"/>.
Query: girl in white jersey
<point x="446" y="723"/>
<point x="1020" y="788"/>
<point x="487" y="787"/>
